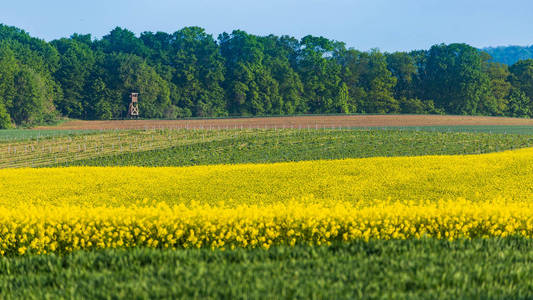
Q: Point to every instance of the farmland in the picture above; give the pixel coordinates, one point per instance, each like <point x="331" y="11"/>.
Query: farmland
<point x="168" y="147"/>
<point x="473" y="177"/>
<point x="307" y="121"/>
<point x="404" y="269"/>
<point x="403" y="212"/>
<point x="264" y="205"/>
<point x="216" y="163"/>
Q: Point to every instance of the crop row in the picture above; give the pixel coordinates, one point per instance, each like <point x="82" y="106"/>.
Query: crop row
<point x="64" y="229"/>
<point x="358" y="181"/>
<point x="394" y="269"/>
<point x="261" y="205"/>
<point x="287" y="145"/>
<point x="191" y="147"/>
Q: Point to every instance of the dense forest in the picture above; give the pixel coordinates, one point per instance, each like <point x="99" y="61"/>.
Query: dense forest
<point x="190" y="74"/>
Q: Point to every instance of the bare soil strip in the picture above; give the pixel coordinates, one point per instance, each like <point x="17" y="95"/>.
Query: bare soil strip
<point x="295" y="122"/>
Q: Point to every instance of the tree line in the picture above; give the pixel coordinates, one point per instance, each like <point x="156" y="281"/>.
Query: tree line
<point x="189" y="73"/>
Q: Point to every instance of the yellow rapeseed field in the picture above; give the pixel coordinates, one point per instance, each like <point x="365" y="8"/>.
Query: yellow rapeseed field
<point x="61" y="210"/>
<point x="64" y="229"/>
<point x="359" y="181"/>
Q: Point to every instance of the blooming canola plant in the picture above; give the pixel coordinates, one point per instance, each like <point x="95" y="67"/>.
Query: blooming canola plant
<point x="227" y="206"/>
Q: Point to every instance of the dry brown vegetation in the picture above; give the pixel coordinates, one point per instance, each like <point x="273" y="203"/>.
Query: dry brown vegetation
<point x="297" y="122"/>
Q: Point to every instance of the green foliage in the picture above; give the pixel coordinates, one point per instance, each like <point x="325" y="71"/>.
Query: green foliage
<point x="378" y="83"/>
<point x="522" y="76"/>
<point x="352" y="69"/>
<point x="320" y="74"/>
<point x="8" y="68"/>
<point x="121" y="40"/>
<point x="14" y="135"/>
<point x="74" y="74"/>
<point x="402" y="66"/>
<point x="496" y="102"/>
<point x="417" y="106"/>
<point x="27" y="87"/>
<point x="5" y="119"/>
<point x="519" y="104"/>
<point x="190" y="74"/>
<point x="30" y="104"/>
<point x="414" y="269"/>
<point x="454" y="78"/>
<point x="250" y="82"/>
<point x="199" y="73"/>
<point x="98" y="104"/>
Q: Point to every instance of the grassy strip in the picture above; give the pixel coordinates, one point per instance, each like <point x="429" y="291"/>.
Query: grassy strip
<point x="14" y="135"/>
<point x="297" y="145"/>
<point x="412" y="269"/>
<point x="505" y="129"/>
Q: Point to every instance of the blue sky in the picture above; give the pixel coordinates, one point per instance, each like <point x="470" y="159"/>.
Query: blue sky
<point x="389" y="25"/>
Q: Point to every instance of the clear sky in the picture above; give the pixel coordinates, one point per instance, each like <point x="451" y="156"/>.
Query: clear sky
<point x="363" y="24"/>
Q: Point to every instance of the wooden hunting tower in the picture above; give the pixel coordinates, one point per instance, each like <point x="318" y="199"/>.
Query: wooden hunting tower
<point x="133" y="109"/>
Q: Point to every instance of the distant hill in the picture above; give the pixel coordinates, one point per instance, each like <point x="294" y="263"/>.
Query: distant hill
<point x="509" y="54"/>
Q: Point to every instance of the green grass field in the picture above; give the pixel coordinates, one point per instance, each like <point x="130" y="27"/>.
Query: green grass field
<point x="417" y="269"/>
<point x="13" y="135"/>
<point x="268" y="146"/>
<point x="514" y="129"/>
<point x="27" y="148"/>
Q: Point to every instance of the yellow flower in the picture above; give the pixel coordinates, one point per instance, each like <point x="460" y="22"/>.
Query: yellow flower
<point x="451" y="197"/>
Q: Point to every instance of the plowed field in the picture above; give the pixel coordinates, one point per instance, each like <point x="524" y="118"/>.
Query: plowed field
<point x="297" y="122"/>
